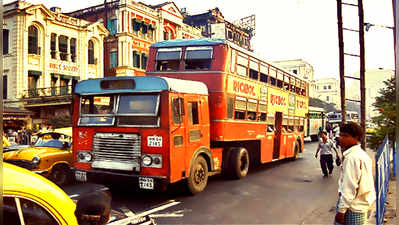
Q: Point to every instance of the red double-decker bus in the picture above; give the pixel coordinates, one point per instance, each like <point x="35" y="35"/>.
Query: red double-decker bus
<point x="254" y="106"/>
<point x="205" y="106"/>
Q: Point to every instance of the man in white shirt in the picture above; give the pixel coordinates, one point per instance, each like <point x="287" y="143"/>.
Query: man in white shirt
<point x="356" y="193"/>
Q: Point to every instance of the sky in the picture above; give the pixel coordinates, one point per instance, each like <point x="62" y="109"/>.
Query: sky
<point x="295" y="29"/>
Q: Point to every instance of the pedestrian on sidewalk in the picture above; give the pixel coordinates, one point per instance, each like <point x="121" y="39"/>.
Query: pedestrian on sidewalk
<point x="325" y="147"/>
<point x="356" y="193"/>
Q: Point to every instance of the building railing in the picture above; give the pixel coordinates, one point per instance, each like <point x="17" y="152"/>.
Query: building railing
<point x="382" y="168"/>
<point x="47" y="92"/>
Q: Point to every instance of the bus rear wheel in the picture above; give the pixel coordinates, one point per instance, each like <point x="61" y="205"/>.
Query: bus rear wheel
<point x="239" y="163"/>
<point x="198" y="178"/>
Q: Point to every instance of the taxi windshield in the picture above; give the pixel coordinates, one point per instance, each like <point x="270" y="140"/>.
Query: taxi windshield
<point x="55" y="140"/>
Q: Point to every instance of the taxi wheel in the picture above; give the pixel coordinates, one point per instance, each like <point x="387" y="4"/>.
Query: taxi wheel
<point x="198" y="178"/>
<point x="60" y="175"/>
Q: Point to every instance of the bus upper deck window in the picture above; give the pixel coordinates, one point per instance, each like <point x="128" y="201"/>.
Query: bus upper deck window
<point x="168" y="59"/>
<point x="198" y="58"/>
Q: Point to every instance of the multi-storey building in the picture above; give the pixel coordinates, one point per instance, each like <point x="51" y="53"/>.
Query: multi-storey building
<point x="302" y="69"/>
<point x="133" y="27"/>
<point x="213" y="25"/>
<point x="328" y="90"/>
<point x="44" y="53"/>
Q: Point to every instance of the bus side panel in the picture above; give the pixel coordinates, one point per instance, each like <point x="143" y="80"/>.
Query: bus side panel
<point x="267" y="145"/>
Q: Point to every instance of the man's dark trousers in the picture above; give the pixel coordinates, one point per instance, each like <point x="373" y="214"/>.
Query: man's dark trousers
<point x="326" y="161"/>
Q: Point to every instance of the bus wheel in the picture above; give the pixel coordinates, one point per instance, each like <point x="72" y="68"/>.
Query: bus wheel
<point x="198" y="178"/>
<point x="239" y="163"/>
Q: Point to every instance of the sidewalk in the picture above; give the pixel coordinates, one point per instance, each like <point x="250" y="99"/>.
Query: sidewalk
<point x="390" y="211"/>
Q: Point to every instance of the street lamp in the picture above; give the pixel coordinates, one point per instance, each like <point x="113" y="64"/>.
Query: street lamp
<point x="369" y="25"/>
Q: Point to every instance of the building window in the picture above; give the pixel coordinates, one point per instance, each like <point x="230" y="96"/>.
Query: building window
<point x="91" y="52"/>
<point x="32" y="85"/>
<point x="114" y="59"/>
<point x="136" y="59"/>
<point x="325" y="87"/>
<point x="144" y="61"/>
<point x="33" y="40"/>
<point x="112" y="25"/>
<point x="63" y="47"/>
<point x="165" y="35"/>
<point x="328" y="98"/>
<point x="151" y="32"/>
<point x="5" y="41"/>
<point x="73" y="49"/>
<point x="4" y="86"/>
<point x="329" y="86"/>
<point x="52" y="46"/>
<point x="295" y="71"/>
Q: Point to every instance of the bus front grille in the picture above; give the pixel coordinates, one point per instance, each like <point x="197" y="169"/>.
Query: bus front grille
<point x="117" y="151"/>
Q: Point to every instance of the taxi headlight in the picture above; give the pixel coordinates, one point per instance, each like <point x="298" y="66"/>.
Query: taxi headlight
<point x="84" y="156"/>
<point x="36" y="160"/>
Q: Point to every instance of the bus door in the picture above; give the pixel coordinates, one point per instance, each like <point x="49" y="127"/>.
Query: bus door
<point x="195" y="133"/>
<point x="277" y="138"/>
<point x="177" y="139"/>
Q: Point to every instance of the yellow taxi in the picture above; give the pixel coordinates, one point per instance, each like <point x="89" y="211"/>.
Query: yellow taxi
<point x="6" y="143"/>
<point x="31" y="199"/>
<point x="50" y="156"/>
<point x="370" y="128"/>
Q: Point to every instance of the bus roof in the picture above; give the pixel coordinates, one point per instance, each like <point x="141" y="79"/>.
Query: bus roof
<point x="190" y="42"/>
<point x="144" y="84"/>
<point x="217" y="41"/>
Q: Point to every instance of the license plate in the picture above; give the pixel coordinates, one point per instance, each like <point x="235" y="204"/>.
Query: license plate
<point x="81" y="176"/>
<point x="146" y="183"/>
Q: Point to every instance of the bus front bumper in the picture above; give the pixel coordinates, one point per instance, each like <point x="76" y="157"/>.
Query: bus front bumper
<point x="156" y="183"/>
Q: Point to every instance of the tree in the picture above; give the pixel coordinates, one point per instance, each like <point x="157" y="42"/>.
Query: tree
<point x="386" y="121"/>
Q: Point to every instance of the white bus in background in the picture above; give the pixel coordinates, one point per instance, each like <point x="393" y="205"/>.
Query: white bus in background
<point x="336" y="117"/>
<point x="315" y="119"/>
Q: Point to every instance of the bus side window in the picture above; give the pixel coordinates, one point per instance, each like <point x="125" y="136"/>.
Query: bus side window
<point x="270" y="128"/>
<point x="193" y="117"/>
<point x="262" y="116"/>
<point x="239" y="115"/>
<point x="178" y="110"/>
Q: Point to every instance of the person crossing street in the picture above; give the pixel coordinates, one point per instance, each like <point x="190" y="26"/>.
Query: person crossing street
<point x="325" y="147"/>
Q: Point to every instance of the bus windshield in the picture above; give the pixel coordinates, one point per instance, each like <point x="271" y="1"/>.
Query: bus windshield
<point x="126" y="110"/>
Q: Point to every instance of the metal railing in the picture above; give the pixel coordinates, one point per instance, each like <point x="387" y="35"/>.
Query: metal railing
<point x="382" y="168"/>
<point x="48" y="92"/>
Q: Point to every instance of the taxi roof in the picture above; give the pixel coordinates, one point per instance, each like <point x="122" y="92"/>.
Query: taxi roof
<point x="22" y="182"/>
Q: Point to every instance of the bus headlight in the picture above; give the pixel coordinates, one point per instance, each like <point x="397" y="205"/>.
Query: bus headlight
<point x="151" y="160"/>
<point x="84" y="156"/>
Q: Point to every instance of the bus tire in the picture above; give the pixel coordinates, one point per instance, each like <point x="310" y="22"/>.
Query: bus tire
<point x="239" y="163"/>
<point x="198" y="178"/>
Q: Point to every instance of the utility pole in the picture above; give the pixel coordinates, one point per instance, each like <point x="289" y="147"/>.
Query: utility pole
<point x="362" y="69"/>
<point x="362" y="73"/>
<point x="341" y="60"/>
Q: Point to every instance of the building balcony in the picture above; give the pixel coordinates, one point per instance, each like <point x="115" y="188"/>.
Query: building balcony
<point x="47" y="96"/>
